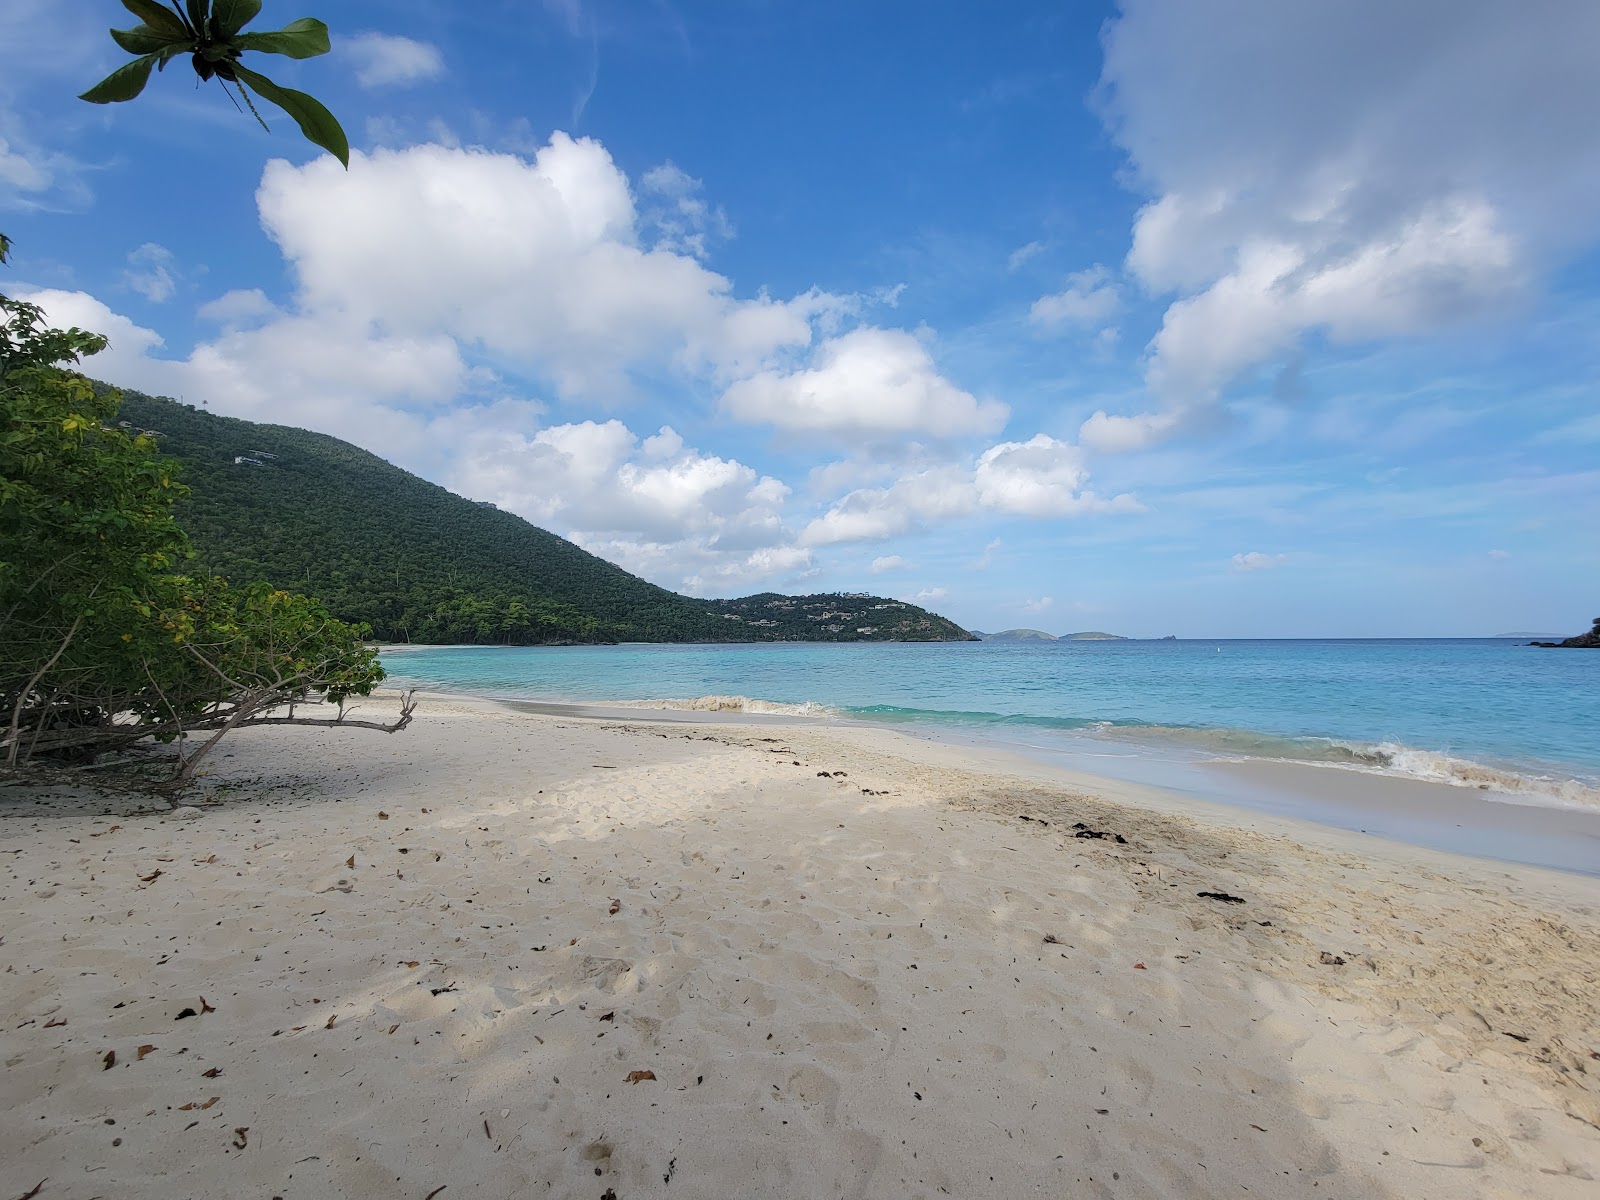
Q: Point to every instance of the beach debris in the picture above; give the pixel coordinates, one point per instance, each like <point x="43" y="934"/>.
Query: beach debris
<point x="838" y="775"/>
<point x="382" y="816"/>
<point x="1051" y="939"/>
<point x="101" y="833"/>
<point x="1516" y="1037"/>
<point x="212" y="1073"/>
<point x="143" y="1050"/>
<point x="672" y="1169"/>
<point x="1329" y="959"/>
<point x="331" y="1020"/>
<point x="1222" y="896"/>
<point x="153" y="876"/>
<point x="640" y="1076"/>
<point x="351" y="862"/>
<point x="610" y="1195"/>
<point x="195" y="1105"/>
<point x="823" y="775"/>
<point x="442" y="1186"/>
<point x="29" y="1195"/>
<point x="439" y="991"/>
<point x="412" y="963"/>
<point x="1256" y="1127"/>
<point x="241" y="1135"/>
<point x="186" y="812"/>
<point x="110" y="1060"/>
<point x="1035" y="820"/>
<point x="53" y="1023"/>
<point x="616" y="907"/>
<point x="610" y="1016"/>
<point x="202" y="862"/>
<point x="1083" y="831"/>
<point x="1140" y="967"/>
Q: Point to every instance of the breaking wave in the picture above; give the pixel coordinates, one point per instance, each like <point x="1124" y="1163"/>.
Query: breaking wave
<point x="1383" y="758"/>
<point x="733" y="704"/>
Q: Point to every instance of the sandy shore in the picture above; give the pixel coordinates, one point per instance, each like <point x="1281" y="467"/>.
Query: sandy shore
<point x="849" y="963"/>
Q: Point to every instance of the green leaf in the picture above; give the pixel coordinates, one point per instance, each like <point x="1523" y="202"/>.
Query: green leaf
<point x="145" y="39"/>
<point x="197" y="14"/>
<point x="159" y="17"/>
<point x="126" y="82"/>
<point x="233" y="15"/>
<point x="315" y="121"/>
<point x="305" y="38"/>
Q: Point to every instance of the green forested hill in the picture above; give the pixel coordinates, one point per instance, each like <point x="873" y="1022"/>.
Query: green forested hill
<point x="311" y="513"/>
<point x="833" y="617"/>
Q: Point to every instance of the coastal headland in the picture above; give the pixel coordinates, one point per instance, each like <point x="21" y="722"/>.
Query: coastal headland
<point x="519" y="952"/>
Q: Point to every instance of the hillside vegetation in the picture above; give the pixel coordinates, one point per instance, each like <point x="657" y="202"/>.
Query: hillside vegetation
<point x="833" y="617"/>
<point x="418" y="563"/>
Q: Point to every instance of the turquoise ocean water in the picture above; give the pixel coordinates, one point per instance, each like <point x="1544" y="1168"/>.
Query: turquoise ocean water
<point x="1494" y="715"/>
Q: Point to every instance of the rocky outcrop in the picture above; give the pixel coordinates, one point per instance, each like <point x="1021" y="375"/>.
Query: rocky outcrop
<point x="1584" y="641"/>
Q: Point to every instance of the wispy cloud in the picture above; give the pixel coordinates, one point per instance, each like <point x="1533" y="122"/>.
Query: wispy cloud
<point x="1257" y="561"/>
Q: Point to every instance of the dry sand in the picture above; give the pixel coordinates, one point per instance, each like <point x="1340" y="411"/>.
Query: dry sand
<point x="848" y="964"/>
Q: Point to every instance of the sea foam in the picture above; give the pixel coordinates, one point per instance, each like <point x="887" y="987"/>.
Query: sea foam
<point x="733" y="704"/>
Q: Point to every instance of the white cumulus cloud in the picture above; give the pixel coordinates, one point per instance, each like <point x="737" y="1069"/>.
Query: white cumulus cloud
<point x="1418" y="166"/>
<point x="538" y="261"/>
<point x="1089" y="299"/>
<point x="654" y="505"/>
<point x="1041" y="477"/>
<point x="867" y="382"/>
<point x="389" y="60"/>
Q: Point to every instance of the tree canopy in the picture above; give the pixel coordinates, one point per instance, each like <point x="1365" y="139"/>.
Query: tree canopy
<point x="105" y="639"/>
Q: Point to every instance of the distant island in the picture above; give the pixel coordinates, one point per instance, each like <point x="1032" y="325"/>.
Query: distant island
<point x="1039" y="635"/>
<point x="1584" y="641"/>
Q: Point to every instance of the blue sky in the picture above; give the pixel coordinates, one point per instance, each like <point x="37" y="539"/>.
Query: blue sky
<point x="1207" y="317"/>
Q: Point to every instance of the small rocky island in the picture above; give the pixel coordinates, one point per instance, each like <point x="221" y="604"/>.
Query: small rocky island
<point x="1584" y="641"/>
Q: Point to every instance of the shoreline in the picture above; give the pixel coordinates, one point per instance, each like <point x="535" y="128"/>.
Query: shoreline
<point x="852" y="961"/>
<point x="1554" y="768"/>
<point x="1429" y="814"/>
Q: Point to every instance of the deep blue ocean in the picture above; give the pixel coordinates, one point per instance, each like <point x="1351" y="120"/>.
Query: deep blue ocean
<point x="1484" y="713"/>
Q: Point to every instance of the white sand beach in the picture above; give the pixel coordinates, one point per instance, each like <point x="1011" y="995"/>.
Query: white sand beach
<point x="510" y="954"/>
